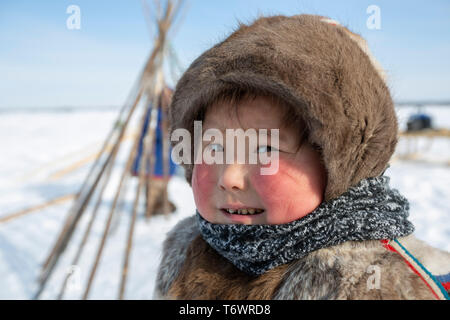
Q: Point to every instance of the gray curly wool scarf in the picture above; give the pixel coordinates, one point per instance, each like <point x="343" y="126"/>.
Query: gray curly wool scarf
<point x="369" y="211"/>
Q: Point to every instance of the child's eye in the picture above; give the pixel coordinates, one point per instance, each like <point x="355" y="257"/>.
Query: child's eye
<point x="266" y="149"/>
<point x="215" y="147"/>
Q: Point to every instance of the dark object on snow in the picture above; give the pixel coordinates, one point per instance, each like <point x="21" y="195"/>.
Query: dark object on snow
<point x="419" y="121"/>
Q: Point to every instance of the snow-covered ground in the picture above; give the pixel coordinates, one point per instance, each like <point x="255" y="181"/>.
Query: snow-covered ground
<point x="36" y="146"/>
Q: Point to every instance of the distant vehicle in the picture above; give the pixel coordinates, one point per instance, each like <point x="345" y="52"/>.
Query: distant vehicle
<point x="419" y="121"/>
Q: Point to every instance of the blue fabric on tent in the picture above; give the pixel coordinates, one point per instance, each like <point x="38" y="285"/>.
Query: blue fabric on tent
<point x="158" y="165"/>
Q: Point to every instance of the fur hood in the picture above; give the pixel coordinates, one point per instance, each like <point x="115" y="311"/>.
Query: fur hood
<point x="321" y="69"/>
<point x="191" y="269"/>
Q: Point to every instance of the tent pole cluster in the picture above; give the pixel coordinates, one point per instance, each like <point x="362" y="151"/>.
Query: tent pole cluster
<point x="147" y="92"/>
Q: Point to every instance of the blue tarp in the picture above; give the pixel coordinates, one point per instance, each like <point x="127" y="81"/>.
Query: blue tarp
<point x="158" y="165"/>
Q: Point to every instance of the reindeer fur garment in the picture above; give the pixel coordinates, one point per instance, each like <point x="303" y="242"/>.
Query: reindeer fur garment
<point x="192" y="269"/>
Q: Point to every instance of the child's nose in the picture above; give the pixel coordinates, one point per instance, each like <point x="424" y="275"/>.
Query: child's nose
<point x="233" y="177"/>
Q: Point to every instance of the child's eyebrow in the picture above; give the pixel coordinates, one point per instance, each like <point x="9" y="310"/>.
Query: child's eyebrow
<point x="281" y="135"/>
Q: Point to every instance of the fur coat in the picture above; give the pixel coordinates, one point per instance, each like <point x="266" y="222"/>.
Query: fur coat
<point x="406" y="268"/>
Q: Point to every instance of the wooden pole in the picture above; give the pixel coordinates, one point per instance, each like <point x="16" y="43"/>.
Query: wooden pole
<point x="150" y="156"/>
<point x="41" y="206"/>
<point x="80" y="163"/>
<point x="166" y="149"/>
<point x="89" y="227"/>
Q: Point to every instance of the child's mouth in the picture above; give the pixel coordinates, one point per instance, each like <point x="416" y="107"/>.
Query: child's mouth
<point x="243" y="212"/>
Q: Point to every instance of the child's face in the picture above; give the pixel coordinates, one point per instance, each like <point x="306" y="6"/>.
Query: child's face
<point x="295" y="190"/>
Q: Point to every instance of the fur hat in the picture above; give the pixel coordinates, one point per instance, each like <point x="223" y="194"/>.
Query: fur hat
<point x="315" y="65"/>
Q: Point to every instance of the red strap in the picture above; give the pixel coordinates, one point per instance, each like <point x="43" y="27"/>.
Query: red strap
<point x="386" y="244"/>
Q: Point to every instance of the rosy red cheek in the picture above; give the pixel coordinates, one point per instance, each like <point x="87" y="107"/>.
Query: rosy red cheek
<point x="203" y="184"/>
<point x="289" y="194"/>
<point x="275" y="187"/>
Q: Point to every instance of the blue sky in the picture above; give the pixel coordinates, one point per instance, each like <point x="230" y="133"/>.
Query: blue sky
<point x="44" y="64"/>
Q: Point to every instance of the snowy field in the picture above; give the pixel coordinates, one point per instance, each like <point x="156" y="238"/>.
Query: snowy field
<point x="37" y="146"/>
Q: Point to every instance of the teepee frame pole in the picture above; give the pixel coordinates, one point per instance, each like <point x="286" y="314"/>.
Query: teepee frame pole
<point x="148" y="147"/>
<point x="87" y="232"/>
<point x="86" y="185"/>
<point x="149" y="85"/>
<point x="125" y="173"/>
<point x="68" y="229"/>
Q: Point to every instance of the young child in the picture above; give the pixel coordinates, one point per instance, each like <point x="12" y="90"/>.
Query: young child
<point x="325" y="224"/>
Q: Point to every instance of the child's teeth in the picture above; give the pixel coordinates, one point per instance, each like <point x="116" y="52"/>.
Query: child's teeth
<point x="245" y="211"/>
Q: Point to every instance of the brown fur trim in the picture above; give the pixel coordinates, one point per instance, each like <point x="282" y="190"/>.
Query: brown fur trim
<point x="174" y="255"/>
<point x="315" y="67"/>
<point x="207" y="275"/>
